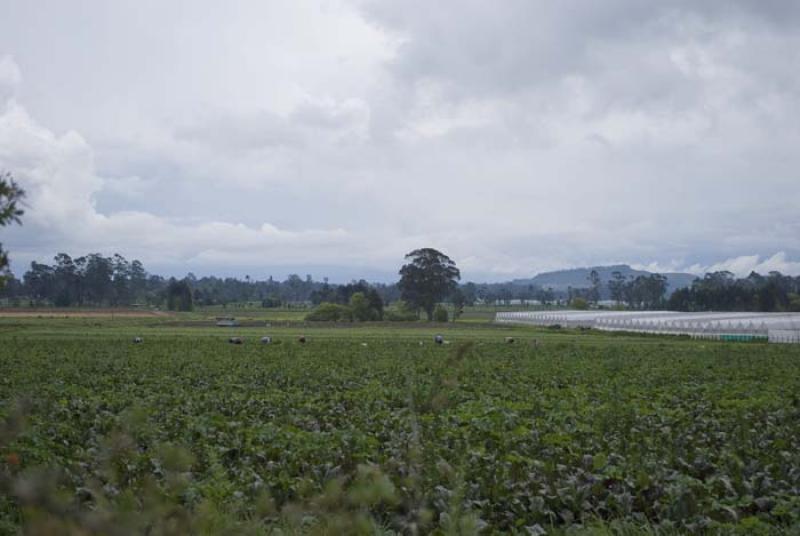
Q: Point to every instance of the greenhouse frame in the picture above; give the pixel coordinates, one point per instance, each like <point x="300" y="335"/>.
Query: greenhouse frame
<point x="728" y="326"/>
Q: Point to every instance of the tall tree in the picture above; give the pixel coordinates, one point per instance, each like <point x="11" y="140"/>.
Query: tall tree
<point x="429" y="278"/>
<point x="596" y="284"/>
<point x="375" y="304"/>
<point x="179" y="295"/>
<point x="138" y="280"/>
<point x="617" y="286"/>
<point x="121" y="280"/>
<point x="97" y="278"/>
<point x="470" y="293"/>
<point x="40" y="282"/>
<point x="67" y="281"/>
<point x="10" y="197"/>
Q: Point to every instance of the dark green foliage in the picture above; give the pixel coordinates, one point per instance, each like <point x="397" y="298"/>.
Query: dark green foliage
<point x="459" y="300"/>
<point x="91" y="280"/>
<point x="359" y="307"/>
<point x="330" y="312"/>
<point x="10" y="197"/>
<point x="375" y="303"/>
<point x="429" y="278"/>
<point x="362" y="307"/>
<point x="629" y="437"/>
<point x="596" y="286"/>
<point x="179" y="296"/>
<point x="112" y="281"/>
<point x="721" y="291"/>
<point x="579" y="303"/>
<point x="400" y="312"/>
<point x="271" y="302"/>
<point x="440" y="314"/>
<point x="640" y="292"/>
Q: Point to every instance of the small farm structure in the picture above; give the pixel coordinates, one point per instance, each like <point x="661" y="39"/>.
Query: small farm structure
<point x="727" y="326"/>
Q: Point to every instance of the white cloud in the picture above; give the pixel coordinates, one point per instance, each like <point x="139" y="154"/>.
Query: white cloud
<point x="518" y="137"/>
<point x="60" y="180"/>
<point x="743" y="265"/>
<point x="740" y="266"/>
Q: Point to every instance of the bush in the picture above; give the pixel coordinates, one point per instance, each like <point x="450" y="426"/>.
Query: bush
<point x="440" y="314"/>
<point x="330" y="312"/>
<point x="393" y="315"/>
<point x="579" y="304"/>
<point x="271" y="302"/>
<point x="359" y="306"/>
<point x="400" y="312"/>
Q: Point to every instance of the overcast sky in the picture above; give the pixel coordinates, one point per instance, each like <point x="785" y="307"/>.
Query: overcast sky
<point x="332" y="137"/>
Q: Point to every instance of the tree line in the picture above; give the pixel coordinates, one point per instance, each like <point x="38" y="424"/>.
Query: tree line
<point x="100" y="281"/>
<point x="716" y="291"/>
<point x="722" y="291"/>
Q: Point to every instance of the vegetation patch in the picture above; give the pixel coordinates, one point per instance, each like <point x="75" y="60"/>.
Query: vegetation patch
<point x="575" y="432"/>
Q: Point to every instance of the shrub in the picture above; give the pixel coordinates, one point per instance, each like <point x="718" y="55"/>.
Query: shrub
<point x="579" y="303"/>
<point x="359" y="306"/>
<point x="440" y="314"/>
<point x="271" y="302"/>
<point x="400" y="316"/>
<point x="400" y="312"/>
<point x="330" y="312"/>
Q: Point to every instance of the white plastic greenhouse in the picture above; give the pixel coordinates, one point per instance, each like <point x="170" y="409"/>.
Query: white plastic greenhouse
<point x="775" y="327"/>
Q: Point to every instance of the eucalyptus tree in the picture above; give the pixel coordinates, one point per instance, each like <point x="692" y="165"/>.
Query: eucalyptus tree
<point x="427" y="279"/>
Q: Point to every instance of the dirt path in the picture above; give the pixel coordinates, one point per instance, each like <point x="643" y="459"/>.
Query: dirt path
<point x="87" y="313"/>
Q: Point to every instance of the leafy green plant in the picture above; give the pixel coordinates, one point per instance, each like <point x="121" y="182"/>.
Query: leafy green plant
<point x="187" y="434"/>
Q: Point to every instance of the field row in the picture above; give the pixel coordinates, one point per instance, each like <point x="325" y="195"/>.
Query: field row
<point x="392" y="435"/>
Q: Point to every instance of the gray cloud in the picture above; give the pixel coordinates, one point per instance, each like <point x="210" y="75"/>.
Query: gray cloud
<point x="521" y="137"/>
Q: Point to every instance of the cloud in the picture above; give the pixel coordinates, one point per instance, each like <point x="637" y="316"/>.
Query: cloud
<point x="745" y="264"/>
<point x="740" y="266"/>
<point x="520" y="137"/>
<point x="10" y="76"/>
<point x="60" y="180"/>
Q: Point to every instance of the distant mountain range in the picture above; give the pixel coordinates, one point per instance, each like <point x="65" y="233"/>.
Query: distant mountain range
<point x="561" y="280"/>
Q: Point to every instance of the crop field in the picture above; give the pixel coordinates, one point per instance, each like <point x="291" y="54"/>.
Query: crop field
<point x="376" y="430"/>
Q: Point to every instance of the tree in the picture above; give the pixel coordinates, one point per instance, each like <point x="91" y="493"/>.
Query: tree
<point x="646" y="292"/>
<point x="40" y="281"/>
<point x="579" y="303"/>
<point x="617" y="287"/>
<point x="546" y="296"/>
<point x="375" y="304"/>
<point x="459" y="300"/>
<point x="121" y="280"/>
<point x="330" y="312"/>
<point x="595" y="281"/>
<point x="359" y="306"/>
<point x="429" y="278"/>
<point x="440" y="314"/>
<point x="179" y="296"/>
<point x="66" y="281"/>
<point x="470" y="293"/>
<point x="97" y="278"/>
<point x="138" y="280"/>
<point x="10" y="195"/>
